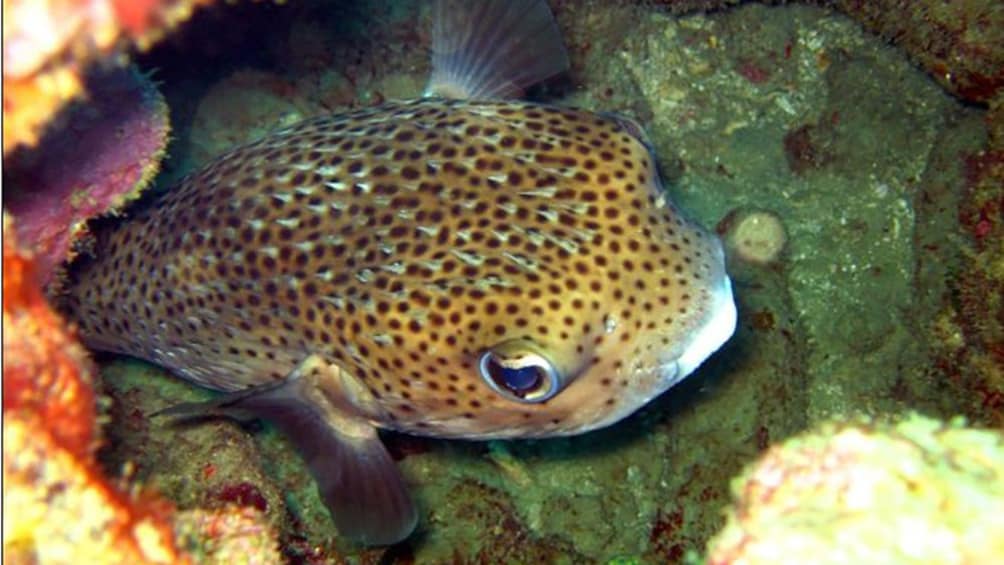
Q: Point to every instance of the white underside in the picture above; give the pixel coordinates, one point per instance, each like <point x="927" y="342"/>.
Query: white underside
<point x="715" y="331"/>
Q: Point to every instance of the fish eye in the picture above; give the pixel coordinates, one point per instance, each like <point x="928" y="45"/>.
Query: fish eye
<point x="519" y="375"/>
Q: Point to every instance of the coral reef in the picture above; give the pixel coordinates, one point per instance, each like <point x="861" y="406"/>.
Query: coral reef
<point x="57" y="505"/>
<point x="56" y="501"/>
<point x="48" y="47"/>
<point x="876" y="304"/>
<point x="104" y="154"/>
<point x="919" y="491"/>
<point x="45" y="371"/>
<point x="789" y="109"/>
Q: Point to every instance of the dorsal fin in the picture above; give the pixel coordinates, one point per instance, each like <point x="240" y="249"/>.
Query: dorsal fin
<point x="483" y="49"/>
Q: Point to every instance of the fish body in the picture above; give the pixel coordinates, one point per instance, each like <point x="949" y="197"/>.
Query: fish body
<point x="440" y="266"/>
<point x="401" y="242"/>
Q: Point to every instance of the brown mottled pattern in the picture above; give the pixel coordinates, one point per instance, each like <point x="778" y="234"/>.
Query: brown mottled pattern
<point x="399" y="242"/>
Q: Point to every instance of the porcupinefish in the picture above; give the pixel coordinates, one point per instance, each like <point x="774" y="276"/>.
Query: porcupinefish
<point x="463" y="265"/>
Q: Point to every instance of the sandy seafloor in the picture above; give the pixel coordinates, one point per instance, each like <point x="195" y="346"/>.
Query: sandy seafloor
<point x="790" y="109"/>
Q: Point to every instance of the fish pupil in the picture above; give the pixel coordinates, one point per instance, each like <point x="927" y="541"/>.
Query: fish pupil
<point x="518" y="380"/>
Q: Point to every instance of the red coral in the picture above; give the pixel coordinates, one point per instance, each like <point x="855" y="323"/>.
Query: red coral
<point x="243" y="494"/>
<point x="663" y="536"/>
<point x="105" y="154"/>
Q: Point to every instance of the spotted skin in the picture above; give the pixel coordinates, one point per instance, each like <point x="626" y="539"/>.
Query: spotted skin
<point x="401" y="241"/>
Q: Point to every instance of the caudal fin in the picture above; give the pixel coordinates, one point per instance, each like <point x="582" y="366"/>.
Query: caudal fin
<point x="484" y="49"/>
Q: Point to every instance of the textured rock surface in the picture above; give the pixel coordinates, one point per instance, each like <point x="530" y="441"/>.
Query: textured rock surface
<point x="959" y="44"/>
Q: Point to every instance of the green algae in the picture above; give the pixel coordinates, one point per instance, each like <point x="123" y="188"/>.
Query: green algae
<point x="790" y="109"/>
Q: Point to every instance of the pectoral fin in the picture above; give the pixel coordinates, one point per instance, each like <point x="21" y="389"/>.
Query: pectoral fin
<point x="356" y="477"/>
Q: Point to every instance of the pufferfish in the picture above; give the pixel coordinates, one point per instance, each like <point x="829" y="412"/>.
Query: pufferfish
<point x="463" y="265"/>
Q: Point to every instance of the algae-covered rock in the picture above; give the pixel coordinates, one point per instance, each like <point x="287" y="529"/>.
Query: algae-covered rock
<point x="206" y="465"/>
<point x="959" y="44"/>
<point x="242" y="108"/>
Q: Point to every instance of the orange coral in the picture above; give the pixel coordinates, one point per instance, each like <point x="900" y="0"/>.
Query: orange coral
<point x="56" y="502"/>
<point x="45" y="372"/>
<point x="57" y="506"/>
<point x="47" y="45"/>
